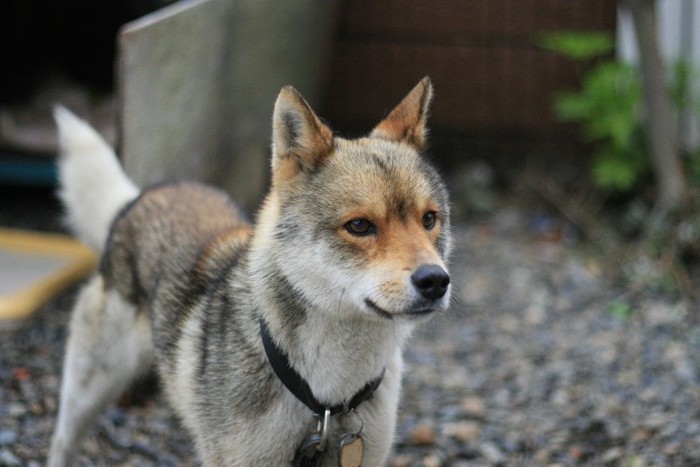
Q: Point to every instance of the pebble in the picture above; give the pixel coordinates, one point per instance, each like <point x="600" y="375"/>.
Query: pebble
<point x="492" y="453"/>
<point x="473" y="407"/>
<point x="432" y="460"/>
<point x="16" y="409"/>
<point x="50" y="403"/>
<point x="542" y="456"/>
<point x="7" y="437"/>
<point x="8" y="459"/>
<point x="423" y="434"/>
<point x="465" y="432"/>
<point x="402" y="460"/>
<point x="638" y="461"/>
<point x="654" y="420"/>
<point x="612" y="455"/>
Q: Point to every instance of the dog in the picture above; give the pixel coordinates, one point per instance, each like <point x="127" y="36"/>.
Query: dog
<point x="278" y="343"/>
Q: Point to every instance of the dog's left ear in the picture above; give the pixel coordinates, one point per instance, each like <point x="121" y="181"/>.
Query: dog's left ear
<point x="300" y="140"/>
<point x="407" y="121"/>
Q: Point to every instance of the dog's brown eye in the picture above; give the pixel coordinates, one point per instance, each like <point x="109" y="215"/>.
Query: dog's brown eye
<point x="360" y="227"/>
<point x="429" y="219"/>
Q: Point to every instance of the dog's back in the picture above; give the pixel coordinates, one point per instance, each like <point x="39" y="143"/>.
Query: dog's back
<point x="172" y="240"/>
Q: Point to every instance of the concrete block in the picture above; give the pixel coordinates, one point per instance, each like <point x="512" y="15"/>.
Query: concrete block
<point x="197" y="83"/>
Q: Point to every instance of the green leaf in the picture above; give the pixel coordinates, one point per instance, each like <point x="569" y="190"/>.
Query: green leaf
<point x="680" y="82"/>
<point x="573" y="106"/>
<point x="607" y="105"/>
<point x="578" y="45"/>
<point x="620" y="309"/>
<point x="618" y="169"/>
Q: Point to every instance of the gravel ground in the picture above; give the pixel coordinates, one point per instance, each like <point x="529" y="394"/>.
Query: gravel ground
<point x="531" y="366"/>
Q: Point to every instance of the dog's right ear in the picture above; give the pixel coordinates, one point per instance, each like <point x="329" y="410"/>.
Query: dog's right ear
<point x="300" y="141"/>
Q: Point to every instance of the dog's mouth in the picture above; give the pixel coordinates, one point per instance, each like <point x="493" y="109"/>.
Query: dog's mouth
<point x="414" y="313"/>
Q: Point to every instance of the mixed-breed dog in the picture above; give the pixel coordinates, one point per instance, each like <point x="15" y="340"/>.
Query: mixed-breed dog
<point x="277" y="343"/>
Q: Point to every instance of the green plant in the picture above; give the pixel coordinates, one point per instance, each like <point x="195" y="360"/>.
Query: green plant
<point x="607" y="106"/>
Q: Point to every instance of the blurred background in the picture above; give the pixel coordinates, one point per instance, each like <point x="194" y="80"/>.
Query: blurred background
<point x="549" y="85"/>
<point x="568" y="132"/>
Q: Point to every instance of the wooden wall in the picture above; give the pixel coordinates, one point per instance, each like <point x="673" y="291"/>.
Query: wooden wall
<point x="489" y="75"/>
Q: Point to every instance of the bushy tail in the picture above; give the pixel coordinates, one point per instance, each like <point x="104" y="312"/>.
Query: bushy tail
<point x="93" y="186"/>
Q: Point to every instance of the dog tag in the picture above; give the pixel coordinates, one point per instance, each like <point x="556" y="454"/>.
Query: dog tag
<point x="307" y="454"/>
<point x="352" y="447"/>
<point x="310" y="452"/>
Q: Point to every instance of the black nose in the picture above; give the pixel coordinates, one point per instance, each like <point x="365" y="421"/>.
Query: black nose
<point x="431" y="281"/>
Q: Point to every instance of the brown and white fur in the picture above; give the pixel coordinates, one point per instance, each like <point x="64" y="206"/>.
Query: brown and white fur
<point x="331" y="266"/>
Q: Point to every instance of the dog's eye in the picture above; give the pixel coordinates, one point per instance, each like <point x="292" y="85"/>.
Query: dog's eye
<point x="360" y="227"/>
<point x="429" y="219"/>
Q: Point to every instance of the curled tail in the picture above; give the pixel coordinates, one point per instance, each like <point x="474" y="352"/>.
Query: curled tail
<point x="93" y="186"/>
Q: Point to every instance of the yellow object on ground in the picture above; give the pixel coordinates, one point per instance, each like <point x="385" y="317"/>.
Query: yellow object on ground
<point x="36" y="266"/>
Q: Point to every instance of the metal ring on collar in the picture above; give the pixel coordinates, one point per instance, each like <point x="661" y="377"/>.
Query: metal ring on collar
<point x="323" y="429"/>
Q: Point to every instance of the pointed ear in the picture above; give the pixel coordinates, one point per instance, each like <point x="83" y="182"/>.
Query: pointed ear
<point x="300" y="141"/>
<point x="407" y="121"/>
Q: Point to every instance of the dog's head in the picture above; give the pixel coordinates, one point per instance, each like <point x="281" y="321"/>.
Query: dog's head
<point x="358" y="226"/>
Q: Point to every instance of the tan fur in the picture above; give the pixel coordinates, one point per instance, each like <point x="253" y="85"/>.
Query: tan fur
<point x="407" y="121"/>
<point x="185" y="281"/>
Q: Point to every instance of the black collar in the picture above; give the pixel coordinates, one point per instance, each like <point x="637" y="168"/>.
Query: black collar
<point x="300" y="388"/>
